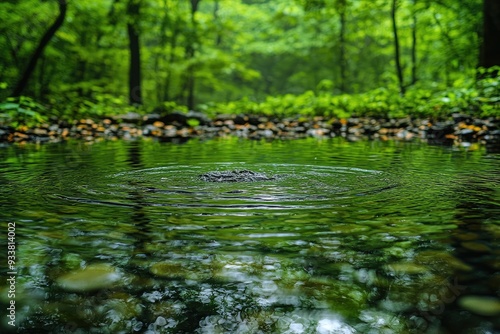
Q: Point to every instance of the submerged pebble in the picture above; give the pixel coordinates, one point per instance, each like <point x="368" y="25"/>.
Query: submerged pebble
<point x="92" y="277"/>
<point x="168" y="269"/>
<point x="174" y="270"/>
<point x="333" y="326"/>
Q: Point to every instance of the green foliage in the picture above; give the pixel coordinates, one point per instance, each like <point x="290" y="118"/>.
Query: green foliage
<point x="22" y="111"/>
<point x="479" y="99"/>
<point x="270" y="57"/>
<point x="488" y="100"/>
<point x="169" y="107"/>
<point x="192" y="122"/>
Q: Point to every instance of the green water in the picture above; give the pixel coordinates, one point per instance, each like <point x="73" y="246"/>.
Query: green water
<point x="365" y="237"/>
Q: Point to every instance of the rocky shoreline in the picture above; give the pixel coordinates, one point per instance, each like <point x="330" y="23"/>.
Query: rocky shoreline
<point x="459" y="129"/>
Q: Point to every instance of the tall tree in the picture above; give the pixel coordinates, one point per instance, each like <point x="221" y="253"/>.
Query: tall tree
<point x="414" y="44"/>
<point x="23" y="82"/>
<point x="399" y="69"/>
<point x="190" y="52"/>
<point x="135" y="92"/>
<point x="162" y="43"/>
<point x="490" y="48"/>
<point x="342" y="5"/>
<point x="172" y="58"/>
<point x="218" y="34"/>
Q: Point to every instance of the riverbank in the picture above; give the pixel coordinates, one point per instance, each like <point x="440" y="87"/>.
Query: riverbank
<point x="459" y="129"/>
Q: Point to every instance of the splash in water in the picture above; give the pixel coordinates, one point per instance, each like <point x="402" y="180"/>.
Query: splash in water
<point x="235" y="176"/>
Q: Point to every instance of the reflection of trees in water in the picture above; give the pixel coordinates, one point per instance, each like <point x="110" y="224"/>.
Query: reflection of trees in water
<point x="140" y="231"/>
<point x="139" y="218"/>
<point x="474" y="243"/>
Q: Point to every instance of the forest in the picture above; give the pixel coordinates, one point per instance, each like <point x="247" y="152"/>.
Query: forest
<point x="68" y="59"/>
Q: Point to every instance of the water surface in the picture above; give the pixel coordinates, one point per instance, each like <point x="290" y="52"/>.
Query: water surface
<point x="365" y="237"/>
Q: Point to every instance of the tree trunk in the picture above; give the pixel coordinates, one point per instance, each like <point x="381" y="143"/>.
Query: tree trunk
<point x="23" y="82"/>
<point x="172" y="59"/>
<point x="490" y="48"/>
<point x="190" y="52"/>
<point x="160" y="57"/>
<point x="343" y="60"/>
<point x="399" y="70"/>
<point x="414" y="46"/>
<point x="135" y="93"/>
<point x="218" y="34"/>
<point x="42" y="87"/>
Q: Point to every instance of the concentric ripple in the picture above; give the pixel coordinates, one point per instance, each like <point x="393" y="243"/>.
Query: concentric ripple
<point x="289" y="187"/>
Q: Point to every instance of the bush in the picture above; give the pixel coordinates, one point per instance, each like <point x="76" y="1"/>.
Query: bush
<point x="480" y="99"/>
<point x="23" y="110"/>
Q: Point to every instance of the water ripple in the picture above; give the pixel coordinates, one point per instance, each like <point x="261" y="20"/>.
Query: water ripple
<point x="292" y="187"/>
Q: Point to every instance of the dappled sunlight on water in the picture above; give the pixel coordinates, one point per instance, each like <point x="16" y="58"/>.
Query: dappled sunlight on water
<point x="359" y="237"/>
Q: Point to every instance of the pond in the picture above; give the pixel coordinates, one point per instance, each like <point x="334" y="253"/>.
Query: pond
<point x="340" y="237"/>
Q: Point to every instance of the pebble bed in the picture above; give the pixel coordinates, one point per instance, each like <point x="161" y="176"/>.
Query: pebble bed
<point x="459" y="129"/>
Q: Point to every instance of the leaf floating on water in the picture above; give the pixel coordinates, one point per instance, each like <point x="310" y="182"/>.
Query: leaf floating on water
<point x="476" y="247"/>
<point x="442" y="261"/>
<point x="168" y="269"/>
<point x="93" y="277"/>
<point x="407" y="268"/>
<point x="482" y="305"/>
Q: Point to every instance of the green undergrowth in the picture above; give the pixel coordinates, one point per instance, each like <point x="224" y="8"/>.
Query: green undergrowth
<point x="481" y="98"/>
